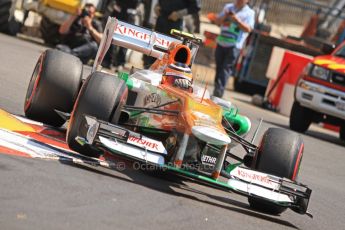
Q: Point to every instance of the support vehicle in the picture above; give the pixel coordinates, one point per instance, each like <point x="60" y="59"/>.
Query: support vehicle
<point x="52" y="12"/>
<point x="320" y="93"/>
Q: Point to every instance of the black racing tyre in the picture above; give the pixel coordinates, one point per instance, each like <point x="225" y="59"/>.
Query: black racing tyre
<point x="50" y="32"/>
<point x="342" y="132"/>
<point x="5" y="7"/>
<point x="280" y="154"/>
<point x="300" y="118"/>
<point x="101" y="96"/>
<point x="54" y="84"/>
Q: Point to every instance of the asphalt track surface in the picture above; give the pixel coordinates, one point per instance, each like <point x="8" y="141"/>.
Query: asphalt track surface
<point x="47" y="194"/>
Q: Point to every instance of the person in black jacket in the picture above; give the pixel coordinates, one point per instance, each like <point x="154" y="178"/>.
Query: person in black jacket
<point x="82" y="34"/>
<point x="119" y="10"/>
<point x="170" y="16"/>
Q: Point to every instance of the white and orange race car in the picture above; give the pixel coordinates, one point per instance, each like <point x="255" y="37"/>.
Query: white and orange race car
<point x="160" y="118"/>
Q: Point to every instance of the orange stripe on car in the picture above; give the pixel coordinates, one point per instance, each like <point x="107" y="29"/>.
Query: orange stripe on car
<point x="336" y="66"/>
<point x="324" y="62"/>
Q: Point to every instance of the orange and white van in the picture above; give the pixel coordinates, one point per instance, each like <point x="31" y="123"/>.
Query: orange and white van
<point x="320" y="93"/>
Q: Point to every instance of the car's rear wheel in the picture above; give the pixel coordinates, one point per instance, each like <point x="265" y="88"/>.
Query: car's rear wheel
<point x="300" y="118"/>
<point x="54" y="85"/>
<point x="280" y="154"/>
<point x="101" y="96"/>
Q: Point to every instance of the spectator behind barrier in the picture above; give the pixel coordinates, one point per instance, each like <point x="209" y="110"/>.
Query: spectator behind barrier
<point x="236" y="21"/>
<point x="118" y="9"/>
<point x="82" y="34"/>
<point x="170" y="15"/>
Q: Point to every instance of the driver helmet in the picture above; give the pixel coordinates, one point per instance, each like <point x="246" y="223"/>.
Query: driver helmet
<point x="176" y="70"/>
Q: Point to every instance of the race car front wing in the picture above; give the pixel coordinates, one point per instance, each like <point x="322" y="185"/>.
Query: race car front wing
<point x="121" y="141"/>
<point x="251" y="183"/>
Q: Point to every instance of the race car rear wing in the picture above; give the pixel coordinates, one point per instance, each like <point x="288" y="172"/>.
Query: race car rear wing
<point x="135" y="38"/>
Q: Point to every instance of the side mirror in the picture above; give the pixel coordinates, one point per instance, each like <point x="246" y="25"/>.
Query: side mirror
<point x="327" y="48"/>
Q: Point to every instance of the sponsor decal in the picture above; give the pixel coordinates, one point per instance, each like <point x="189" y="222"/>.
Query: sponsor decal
<point x="130" y="151"/>
<point x="208" y="159"/>
<point x="132" y="32"/>
<point x="146" y="143"/>
<point x="254" y="177"/>
<point x="152" y="100"/>
<point x="252" y="189"/>
<point x="202" y="119"/>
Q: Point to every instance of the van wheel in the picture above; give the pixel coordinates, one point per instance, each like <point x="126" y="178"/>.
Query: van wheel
<point x="300" y="118"/>
<point x="342" y="132"/>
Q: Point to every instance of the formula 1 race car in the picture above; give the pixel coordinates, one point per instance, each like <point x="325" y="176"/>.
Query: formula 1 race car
<point x="160" y="118"/>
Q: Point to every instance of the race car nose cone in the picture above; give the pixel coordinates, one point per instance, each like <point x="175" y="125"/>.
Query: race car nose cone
<point x="210" y="135"/>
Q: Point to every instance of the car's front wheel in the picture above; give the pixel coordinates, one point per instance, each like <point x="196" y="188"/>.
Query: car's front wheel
<point x="280" y="154"/>
<point x="101" y="96"/>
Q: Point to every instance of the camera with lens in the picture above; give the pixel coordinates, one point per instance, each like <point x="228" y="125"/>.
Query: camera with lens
<point x="84" y="13"/>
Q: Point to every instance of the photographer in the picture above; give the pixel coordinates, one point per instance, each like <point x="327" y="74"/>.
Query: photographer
<point x="82" y="34"/>
<point x="236" y="21"/>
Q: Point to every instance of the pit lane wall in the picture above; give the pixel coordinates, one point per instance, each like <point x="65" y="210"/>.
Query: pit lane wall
<point x="282" y="96"/>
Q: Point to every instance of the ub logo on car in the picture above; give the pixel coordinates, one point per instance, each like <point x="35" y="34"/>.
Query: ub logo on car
<point x="152" y="100"/>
